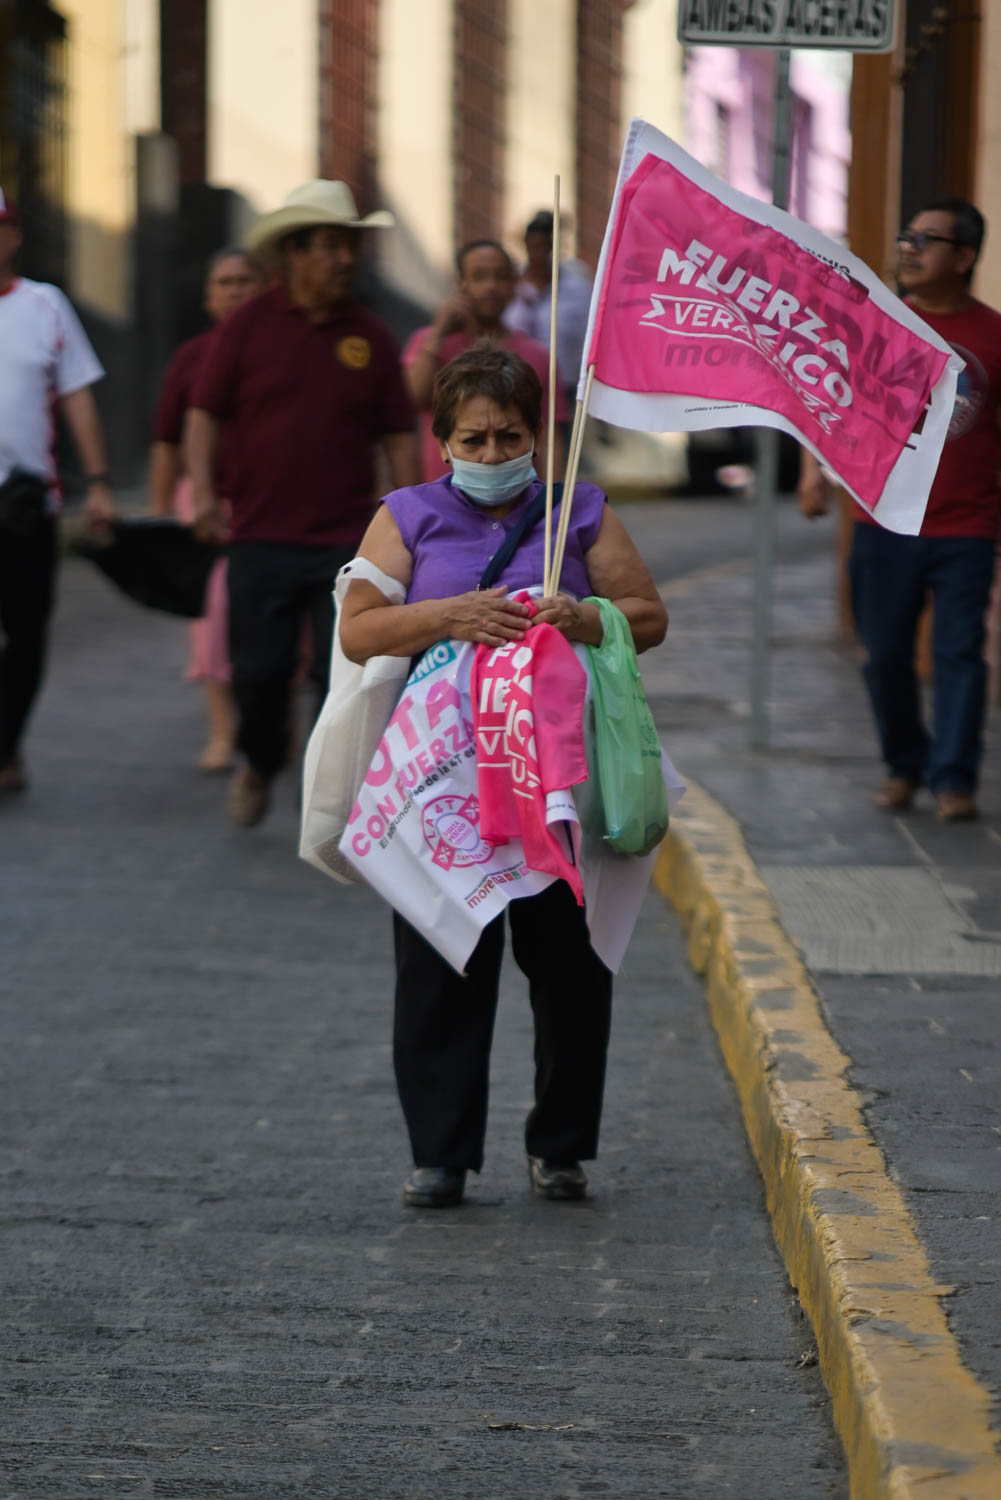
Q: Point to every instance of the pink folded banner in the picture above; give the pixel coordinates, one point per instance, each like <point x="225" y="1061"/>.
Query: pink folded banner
<point x="712" y="309"/>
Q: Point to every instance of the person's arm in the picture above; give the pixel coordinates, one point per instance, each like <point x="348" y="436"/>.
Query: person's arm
<point x="201" y="441"/>
<point x="421" y="368"/>
<point x="80" y="412"/>
<point x="617" y="572"/>
<point x="422" y="360"/>
<point x="371" y="626"/>
<point x="214" y="399"/>
<point x="164" y="472"/>
<point x="813" y="492"/>
<point x="401" y="455"/>
<point x="76" y="369"/>
<point x="165" y="454"/>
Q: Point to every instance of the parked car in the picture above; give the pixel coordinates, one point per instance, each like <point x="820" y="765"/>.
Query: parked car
<point x="722" y="459"/>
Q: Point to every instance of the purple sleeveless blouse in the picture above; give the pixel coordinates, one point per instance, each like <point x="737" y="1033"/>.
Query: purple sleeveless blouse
<point x="451" y="539"/>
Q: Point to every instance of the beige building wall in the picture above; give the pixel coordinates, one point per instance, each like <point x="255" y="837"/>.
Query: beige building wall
<point x="263" y="96"/>
<point x="988" y="192"/>
<point x="414" y="144"/>
<point x="653" y="81"/>
<point x="141" y="65"/>
<point x="101" y="154"/>
<point x="652" y="88"/>
<point x="414" y="120"/>
<point x="540" y="114"/>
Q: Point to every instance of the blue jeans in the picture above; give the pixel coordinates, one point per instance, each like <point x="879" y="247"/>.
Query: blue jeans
<point x="890" y="577"/>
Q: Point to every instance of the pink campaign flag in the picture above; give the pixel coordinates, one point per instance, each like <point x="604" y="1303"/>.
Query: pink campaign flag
<point x="714" y="310"/>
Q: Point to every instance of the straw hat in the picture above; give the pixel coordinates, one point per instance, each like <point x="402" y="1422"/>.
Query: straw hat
<point x="309" y="206"/>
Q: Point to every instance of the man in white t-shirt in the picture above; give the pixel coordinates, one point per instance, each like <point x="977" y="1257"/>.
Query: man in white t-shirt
<point x="46" y="366"/>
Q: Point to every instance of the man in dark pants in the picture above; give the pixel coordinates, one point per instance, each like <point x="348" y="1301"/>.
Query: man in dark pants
<point x="308" y="382"/>
<point x="46" y="363"/>
<point x="953" y="557"/>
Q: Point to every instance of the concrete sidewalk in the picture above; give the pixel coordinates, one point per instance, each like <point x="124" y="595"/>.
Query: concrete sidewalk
<point x="898" y="921"/>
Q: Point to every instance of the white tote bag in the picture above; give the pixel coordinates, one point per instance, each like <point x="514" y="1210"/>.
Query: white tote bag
<point x="359" y="704"/>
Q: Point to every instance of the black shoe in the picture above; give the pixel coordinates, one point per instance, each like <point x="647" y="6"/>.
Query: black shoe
<point x="13" y="776"/>
<point x="249" y="797"/>
<point x="434" y="1187"/>
<point x="557" y="1179"/>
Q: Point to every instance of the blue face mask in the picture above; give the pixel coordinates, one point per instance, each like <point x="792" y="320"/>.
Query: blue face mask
<point x="494" y="484"/>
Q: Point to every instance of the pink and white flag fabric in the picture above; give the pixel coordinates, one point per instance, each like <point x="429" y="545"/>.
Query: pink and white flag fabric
<point x="712" y="309"/>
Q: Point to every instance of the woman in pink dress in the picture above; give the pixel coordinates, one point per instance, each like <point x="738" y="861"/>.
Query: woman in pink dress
<point x="230" y="281"/>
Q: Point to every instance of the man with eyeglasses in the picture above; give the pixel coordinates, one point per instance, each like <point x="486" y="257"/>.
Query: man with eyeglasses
<point x="952" y="559"/>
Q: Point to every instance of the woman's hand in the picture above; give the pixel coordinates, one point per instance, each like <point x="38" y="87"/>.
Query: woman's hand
<point x="486" y="616"/>
<point x="814" y="490"/>
<point x="211" y="523"/>
<point x="99" y="506"/>
<point x="455" y="315"/>
<point x="814" y="496"/>
<point x="577" y="621"/>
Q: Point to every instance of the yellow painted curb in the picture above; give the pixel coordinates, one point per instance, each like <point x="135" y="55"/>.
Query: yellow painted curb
<point x="914" y="1422"/>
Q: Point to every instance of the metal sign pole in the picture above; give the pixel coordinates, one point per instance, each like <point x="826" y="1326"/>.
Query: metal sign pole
<point x="857" y="29"/>
<point x="766" y="477"/>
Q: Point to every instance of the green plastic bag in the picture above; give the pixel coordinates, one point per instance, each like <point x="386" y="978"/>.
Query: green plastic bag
<point x="627" y="749"/>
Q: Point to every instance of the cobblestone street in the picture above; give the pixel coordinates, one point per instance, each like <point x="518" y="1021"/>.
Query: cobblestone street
<point x="212" y="1287"/>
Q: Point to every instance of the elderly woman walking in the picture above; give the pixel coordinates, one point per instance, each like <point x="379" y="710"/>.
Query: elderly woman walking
<point x="435" y="539"/>
<point x="231" y="279"/>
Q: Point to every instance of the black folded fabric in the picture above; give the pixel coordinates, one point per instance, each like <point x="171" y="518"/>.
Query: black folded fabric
<point x="158" y="563"/>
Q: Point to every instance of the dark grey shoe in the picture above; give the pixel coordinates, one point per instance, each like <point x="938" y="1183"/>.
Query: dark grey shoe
<point x="434" y="1187"/>
<point x="557" y="1179"/>
<point x="249" y="797"/>
<point x="13" y="776"/>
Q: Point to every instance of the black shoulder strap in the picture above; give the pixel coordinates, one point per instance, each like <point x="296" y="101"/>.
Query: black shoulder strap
<point x="517" y="535"/>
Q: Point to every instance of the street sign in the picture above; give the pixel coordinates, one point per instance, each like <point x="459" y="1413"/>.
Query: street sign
<point x="846" y="25"/>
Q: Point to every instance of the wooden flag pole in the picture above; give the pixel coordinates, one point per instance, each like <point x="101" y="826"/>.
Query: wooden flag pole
<point x="551" y="424"/>
<point x="571" y="449"/>
<point x="573" y="463"/>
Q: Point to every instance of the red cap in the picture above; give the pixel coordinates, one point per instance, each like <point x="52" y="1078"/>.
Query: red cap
<point x="8" y="213"/>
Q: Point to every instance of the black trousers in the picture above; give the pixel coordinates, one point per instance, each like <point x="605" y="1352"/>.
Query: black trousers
<point x="273" y="586"/>
<point x="27" y="594"/>
<point x="444" y="1025"/>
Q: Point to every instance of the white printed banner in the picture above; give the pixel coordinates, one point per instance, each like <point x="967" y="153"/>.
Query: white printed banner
<point x="413" y="834"/>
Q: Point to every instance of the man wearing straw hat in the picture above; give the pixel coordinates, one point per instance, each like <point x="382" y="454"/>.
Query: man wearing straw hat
<point x="308" y="382"/>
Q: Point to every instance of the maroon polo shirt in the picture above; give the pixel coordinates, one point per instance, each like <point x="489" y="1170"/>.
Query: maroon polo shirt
<point x="176" y="392"/>
<point x="176" y="388"/>
<point x="305" y="404"/>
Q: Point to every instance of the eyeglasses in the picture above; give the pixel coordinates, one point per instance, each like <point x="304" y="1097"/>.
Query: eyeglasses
<point x="920" y="239"/>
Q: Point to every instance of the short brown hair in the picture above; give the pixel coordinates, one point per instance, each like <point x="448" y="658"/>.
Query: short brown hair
<point x="470" y="245"/>
<point x="487" y="371"/>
